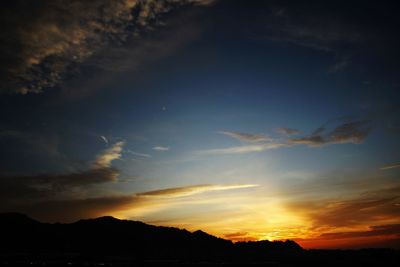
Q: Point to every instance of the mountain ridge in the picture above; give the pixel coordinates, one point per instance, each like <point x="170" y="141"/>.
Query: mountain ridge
<point x="126" y="242"/>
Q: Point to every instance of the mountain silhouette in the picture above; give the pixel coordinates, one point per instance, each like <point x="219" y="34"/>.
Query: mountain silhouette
<point x="25" y="241"/>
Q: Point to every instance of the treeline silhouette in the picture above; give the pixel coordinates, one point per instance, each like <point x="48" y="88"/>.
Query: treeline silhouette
<point x="113" y="242"/>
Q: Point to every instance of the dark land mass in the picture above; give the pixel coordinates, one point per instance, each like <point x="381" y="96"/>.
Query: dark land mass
<point x="107" y="241"/>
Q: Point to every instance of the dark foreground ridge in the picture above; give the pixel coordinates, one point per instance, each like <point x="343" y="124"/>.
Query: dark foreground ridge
<point x="107" y="241"/>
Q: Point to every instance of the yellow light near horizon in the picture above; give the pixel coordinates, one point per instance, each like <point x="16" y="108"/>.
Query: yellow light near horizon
<point x="222" y="213"/>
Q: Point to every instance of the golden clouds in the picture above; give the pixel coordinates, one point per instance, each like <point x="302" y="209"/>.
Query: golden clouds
<point x="104" y="159"/>
<point x="191" y="190"/>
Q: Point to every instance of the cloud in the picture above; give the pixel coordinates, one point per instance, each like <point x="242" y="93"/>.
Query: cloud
<point x="45" y="42"/>
<point x="391" y="166"/>
<point x="26" y="151"/>
<point x="104" y="159"/>
<point x="36" y="187"/>
<point x="378" y="230"/>
<point x="370" y="218"/>
<point x="372" y="207"/>
<point x="288" y="131"/>
<point x="375" y="236"/>
<point x="192" y="190"/>
<point x="246" y="137"/>
<point x="46" y="144"/>
<point x="351" y="132"/>
<point x="47" y="185"/>
<point x="357" y="211"/>
<point x="241" y="149"/>
<point x="104" y="139"/>
<point x="139" y="154"/>
<point x="66" y="210"/>
<point x="161" y="148"/>
<point x="69" y="210"/>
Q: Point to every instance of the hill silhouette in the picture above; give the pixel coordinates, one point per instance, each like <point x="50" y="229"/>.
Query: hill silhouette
<point x="114" y="242"/>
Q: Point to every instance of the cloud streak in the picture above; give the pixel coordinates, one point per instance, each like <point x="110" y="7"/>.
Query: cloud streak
<point x="142" y="155"/>
<point x="161" y="148"/>
<point x="192" y="190"/>
<point x="104" y="139"/>
<point x="354" y="132"/>
<point x="246" y="137"/>
<point x="241" y="149"/>
<point x="391" y="166"/>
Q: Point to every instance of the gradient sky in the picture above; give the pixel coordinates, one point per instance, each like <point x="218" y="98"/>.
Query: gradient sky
<point x="249" y="120"/>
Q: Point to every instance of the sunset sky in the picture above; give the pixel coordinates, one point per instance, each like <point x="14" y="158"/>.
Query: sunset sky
<point x="249" y="120"/>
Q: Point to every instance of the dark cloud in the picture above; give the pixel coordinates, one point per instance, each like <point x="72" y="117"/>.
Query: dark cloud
<point x="351" y="132"/>
<point x="75" y="209"/>
<point x="135" y="55"/>
<point x="33" y="188"/>
<point x="18" y="187"/>
<point x="23" y="151"/>
<point x="45" y="42"/>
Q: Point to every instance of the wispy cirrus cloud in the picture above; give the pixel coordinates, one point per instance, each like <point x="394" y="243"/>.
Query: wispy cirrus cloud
<point x="192" y="190"/>
<point x="246" y="137"/>
<point x="161" y="148"/>
<point x="241" y="149"/>
<point x="394" y="165"/>
<point x="104" y="139"/>
<point x="142" y="155"/>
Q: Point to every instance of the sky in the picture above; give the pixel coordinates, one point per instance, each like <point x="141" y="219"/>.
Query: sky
<point x="249" y="120"/>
